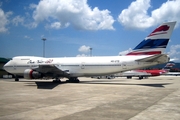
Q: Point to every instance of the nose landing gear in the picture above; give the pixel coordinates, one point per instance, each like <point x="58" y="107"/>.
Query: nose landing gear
<point x="73" y="80"/>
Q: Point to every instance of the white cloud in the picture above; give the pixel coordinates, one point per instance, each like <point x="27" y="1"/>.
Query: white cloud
<point x="125" y="52"/>
<point x="18" y="19"/>
<point x="136" y="15"/>
<point x="25" y="21"/>
<point x="74" y="12"/>
<point x="56" y="25"/>
<point x="4" y="20"/>
<point x="27" y="37"/>
<point x="82" y="55"/>
<point x="174" y="52"/>
<point x="84" y="49"/>
<point x="32" y="6"/>
<point x="32" y="25"/>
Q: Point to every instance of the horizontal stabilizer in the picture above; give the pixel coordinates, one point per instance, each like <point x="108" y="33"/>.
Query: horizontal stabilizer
<point x="161" y="58"/>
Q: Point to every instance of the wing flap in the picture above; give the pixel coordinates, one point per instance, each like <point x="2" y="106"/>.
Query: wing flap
<point x="161" y="58"/>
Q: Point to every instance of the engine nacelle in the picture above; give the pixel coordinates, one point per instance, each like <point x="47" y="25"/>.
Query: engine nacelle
<point x="31" y="74"/>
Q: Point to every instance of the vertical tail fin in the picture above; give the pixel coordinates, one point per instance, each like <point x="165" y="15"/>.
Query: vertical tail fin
<point x="168" y="66"/>
<point x="156" y="42"/>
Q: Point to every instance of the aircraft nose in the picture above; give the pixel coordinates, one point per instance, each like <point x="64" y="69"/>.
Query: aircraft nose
<point x="6" y="66"/>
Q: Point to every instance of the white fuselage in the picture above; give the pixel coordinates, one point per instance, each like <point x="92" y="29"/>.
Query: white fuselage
<point x="132" y="73"/>
<point x="79" y="66"/>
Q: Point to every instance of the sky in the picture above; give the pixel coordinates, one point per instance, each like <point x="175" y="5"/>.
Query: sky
<point x="72" y="27"/>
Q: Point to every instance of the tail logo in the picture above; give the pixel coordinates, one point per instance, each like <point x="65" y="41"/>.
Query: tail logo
<point x="156" y="42"/>
<point x="169" y="65"/>
<point x="160" y="30"/>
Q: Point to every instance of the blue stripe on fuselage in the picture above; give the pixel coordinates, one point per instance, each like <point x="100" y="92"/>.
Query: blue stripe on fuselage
<point x="149" y="43"/>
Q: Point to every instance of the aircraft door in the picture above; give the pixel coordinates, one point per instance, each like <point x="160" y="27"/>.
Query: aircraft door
<point x="14" y="66"/>
<point x="124" y="65"/>
<point x="82" y="65"/>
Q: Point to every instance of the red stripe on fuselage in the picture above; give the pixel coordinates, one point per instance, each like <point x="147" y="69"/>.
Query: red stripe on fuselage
<point x="145" y="53"/>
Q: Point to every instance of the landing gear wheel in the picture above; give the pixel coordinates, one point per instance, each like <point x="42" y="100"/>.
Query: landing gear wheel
<point x="57" y="80"/>
<point x="73" y="80"/>
<point x="140" y="77"/>
<point x="129" y="77"/>
<point x="16" y="78"/>
<point x="76" y="81"/>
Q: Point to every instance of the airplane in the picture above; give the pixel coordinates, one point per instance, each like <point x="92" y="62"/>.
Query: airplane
<point x="32" y="67"/>
<point x="145" y="73"/>
<point x="172" y="73"/>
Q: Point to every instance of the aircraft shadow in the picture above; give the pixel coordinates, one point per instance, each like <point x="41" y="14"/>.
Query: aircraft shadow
<point x="45" y="85"/>
<point x="148" y="85"/>
<point x="51" y="85"/>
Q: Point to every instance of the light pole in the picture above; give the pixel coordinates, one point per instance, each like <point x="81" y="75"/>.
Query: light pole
<point x="90" y="51"/>
<point x="44" y="39"/>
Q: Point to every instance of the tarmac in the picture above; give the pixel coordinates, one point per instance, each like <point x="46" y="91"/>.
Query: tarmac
<point x="155" y="98"/>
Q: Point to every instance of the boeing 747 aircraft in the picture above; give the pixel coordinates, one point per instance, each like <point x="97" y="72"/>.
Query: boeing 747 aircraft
<point x="148" y="53"/>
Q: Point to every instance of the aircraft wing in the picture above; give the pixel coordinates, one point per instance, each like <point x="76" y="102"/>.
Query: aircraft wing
<point x="52" y="70"/>
<point x="155" y="58"/>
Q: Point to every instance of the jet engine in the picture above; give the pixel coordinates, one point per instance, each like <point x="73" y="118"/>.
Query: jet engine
<point x="31" y="74"/>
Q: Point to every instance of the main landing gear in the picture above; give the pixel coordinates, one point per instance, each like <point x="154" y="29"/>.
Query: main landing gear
<point x="140" y="77"/>
<point x="16" y="78"/>
<point x="129" y="77"/>
<point x="73" y="80"/>
<point x="57" y="80"/>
